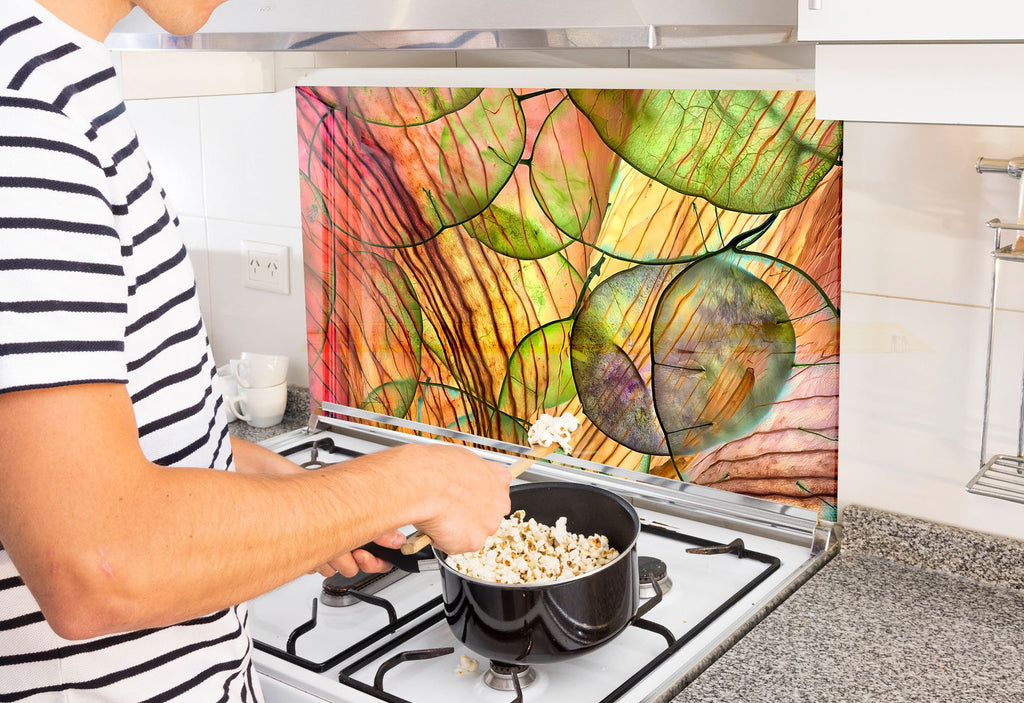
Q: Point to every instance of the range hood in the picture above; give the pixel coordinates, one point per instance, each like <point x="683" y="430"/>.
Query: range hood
<point x="368" y="25"/>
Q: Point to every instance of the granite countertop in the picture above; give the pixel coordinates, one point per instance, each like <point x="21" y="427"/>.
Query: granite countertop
<point x="909" y="610"/>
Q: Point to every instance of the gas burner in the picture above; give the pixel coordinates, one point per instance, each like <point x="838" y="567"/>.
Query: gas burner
<point x="339" y="591"/>
<point x="502" y="677"/>
<point x="652" y="567"/>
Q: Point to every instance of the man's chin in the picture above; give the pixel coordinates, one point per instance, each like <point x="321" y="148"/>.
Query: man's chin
<point x="181" y="19"/>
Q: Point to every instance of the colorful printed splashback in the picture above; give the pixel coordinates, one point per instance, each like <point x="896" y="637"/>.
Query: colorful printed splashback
<point x="663" y="264"/>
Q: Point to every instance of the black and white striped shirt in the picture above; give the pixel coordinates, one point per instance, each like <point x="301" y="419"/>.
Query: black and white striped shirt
<point x="95" y="286"/>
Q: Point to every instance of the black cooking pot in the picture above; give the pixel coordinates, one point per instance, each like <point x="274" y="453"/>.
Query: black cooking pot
<point x="543" y="622"/>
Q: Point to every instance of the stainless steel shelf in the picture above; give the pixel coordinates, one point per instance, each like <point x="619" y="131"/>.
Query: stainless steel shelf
<point x="1008" y="254"/>
<point x="1001" y="477"/>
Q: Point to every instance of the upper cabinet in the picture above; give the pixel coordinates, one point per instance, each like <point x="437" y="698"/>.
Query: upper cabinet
<point x="926" y="61"/>
<point x="910" y="20"/>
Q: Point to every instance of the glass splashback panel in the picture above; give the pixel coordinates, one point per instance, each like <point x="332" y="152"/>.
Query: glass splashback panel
<point x="663" y="264"/>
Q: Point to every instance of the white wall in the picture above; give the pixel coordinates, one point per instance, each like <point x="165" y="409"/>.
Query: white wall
<point x="916" y="286"/>
<point x="229" y="166"/>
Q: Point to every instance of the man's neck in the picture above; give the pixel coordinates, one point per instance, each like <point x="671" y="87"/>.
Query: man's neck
<point x="94" y="18"/>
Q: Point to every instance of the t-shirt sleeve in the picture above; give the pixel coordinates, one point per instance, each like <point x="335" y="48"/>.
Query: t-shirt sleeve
<point x="63" y="289"/>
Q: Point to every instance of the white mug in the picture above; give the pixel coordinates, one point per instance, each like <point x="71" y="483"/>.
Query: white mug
<point x="228" y="388"/>
<point x="259" y="370"/>
<point x="260" y="407"/>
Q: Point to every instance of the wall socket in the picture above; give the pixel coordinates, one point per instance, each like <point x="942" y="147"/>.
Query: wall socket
<point x="265" y="267"/>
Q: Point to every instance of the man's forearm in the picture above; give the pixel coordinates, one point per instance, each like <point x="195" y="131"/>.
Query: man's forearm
<point x="118" y="543"/>
<point x="213" y="539"/>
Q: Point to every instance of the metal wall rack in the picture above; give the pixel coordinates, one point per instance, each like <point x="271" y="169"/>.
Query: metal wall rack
<point x="1001" y="475"/>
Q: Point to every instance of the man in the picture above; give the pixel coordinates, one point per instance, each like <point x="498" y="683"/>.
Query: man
<point x="124" y="555"/>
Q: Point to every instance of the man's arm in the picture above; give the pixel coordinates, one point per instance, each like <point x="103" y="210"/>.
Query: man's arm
<point x="107" y="541"/>
<point x="253" y="459"/>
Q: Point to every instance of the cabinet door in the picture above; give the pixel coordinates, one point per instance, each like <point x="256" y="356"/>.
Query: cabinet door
<point x="934" y="83"/>
<point x="910" y="20"/>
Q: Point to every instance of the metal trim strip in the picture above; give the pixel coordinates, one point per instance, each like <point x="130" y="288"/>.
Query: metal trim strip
<point x="627" y="37"/>
<point x="641" y="36"/>
<point x="800" y="523"/>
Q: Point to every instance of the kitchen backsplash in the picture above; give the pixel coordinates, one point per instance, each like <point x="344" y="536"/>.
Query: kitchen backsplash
<point x="916" y="278"/>
<point x="661" y="264"/>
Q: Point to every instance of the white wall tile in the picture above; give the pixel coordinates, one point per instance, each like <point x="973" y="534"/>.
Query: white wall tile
<point x="910" y="407"/>
<point x="169" y="133"/>
<point x="245" y="319"/>
<point x="914" y="211"/>
<point x="250" y="158"/>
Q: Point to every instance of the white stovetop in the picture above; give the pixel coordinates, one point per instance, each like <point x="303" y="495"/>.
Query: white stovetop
<point x="700" y="584"/>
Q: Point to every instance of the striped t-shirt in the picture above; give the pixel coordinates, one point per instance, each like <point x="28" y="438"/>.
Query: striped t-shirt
<point x="95" y="286"/>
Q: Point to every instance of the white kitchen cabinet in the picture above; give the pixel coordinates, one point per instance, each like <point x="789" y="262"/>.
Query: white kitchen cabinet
<point x="971" y="84"/>
<point x="910" y="20"/>
<point x="935" y="61"/>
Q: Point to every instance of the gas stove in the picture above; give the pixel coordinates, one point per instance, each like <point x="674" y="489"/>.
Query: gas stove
<point x="712" y="565"/>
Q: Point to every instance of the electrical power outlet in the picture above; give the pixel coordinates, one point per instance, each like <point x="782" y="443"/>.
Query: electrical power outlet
<point x="265" y="267"/>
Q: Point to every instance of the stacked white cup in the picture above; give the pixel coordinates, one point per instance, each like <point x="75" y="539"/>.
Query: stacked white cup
<point x="255" y="389"/>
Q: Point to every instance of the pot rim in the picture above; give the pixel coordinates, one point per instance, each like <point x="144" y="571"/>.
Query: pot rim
<point x="441" y="556"/>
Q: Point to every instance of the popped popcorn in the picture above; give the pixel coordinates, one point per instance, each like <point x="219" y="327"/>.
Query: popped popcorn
<point x="467" y="665"/>
<point x="525" y="551"/>
<point x="547" y="430"/>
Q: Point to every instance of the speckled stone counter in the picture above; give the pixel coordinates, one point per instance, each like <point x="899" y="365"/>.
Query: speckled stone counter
<point x="908" y="611"/>
<point x="296" y="414"/>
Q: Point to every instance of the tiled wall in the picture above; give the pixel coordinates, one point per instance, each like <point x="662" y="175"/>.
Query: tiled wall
<point x="916" y="284"/>
<point x="229" y="167"/>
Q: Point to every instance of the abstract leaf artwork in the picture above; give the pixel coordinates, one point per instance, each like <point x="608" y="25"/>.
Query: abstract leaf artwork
<point x="664" y="264"/>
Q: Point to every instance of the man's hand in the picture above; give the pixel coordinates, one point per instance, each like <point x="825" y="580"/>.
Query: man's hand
<point x="463" y="496"/>
<point x="351" y="563"/>
<point x="467" y="496"/>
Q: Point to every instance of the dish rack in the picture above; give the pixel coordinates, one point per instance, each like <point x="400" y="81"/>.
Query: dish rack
<point x="1001" y="475"/>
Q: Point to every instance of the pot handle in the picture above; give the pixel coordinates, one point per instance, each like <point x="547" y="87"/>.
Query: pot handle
<point x="423" y="560"/>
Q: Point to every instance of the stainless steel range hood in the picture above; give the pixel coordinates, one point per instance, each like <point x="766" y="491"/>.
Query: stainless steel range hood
<point x="367" y="25"/>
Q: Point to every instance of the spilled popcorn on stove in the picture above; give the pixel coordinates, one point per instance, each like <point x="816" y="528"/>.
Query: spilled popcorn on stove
<point x="525" y="551"/>
<point x="467" y="665"/>
<point x="548" y="430"/>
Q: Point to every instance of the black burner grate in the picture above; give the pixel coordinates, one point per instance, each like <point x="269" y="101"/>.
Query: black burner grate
<point x="372" y="649"/>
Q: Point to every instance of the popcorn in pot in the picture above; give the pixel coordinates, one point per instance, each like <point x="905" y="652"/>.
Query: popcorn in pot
<point x="525" y="551"/>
